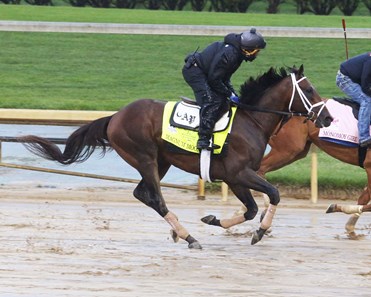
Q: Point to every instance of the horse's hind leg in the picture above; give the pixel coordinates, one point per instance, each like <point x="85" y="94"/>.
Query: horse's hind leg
<point x="148" y="191"/>
<point x="350" y="225"/>
<point x="354" y="210"/>
<point x="149" y="197"/>
<point x="363" y="200"/>
<point x="141" y="151"/>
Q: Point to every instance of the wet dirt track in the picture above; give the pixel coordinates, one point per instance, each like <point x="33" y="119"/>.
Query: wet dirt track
<point x="83" y="247"/>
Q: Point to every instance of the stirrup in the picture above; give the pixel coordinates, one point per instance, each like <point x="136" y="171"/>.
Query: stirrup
<point x="209" y="146"/>
<point x="205" y="143"/>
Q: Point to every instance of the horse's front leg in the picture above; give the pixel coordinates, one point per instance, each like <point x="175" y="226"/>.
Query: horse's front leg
<point x="249" y="207"/>
<point x="257" y="183"/>
<point x="243" y="208"/>
<point x="250" y="180"/>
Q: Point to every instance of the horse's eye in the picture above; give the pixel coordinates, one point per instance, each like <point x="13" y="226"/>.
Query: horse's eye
<point x="309" y="91"/>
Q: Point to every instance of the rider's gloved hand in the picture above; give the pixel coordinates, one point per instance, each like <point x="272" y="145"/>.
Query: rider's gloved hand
<point x="234" y="98"/>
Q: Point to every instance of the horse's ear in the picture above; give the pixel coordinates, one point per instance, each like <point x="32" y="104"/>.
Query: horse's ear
<point x="301" y="69"/>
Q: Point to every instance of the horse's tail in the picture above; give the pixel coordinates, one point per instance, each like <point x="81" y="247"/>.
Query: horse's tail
<point x="79" y="145"/>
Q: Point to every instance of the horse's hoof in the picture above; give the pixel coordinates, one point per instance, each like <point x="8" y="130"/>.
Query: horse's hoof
<point x="195" y="245"/>
<point x="208" y="219"/>
<point x="174" y="236"/>
<point x="331" y="208"/>
<point x="352" y="235"/>
<point x="268" y="231"/>
<point x="257" y="236"/>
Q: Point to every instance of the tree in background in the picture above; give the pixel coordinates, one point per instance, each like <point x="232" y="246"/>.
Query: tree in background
<point x="123" y="3"/>
<point x="152" y="4"/>
<point x="368" y="5"/>
<point x="273" y="5"/>
<point x="198" y="5"/>
<point x="174" y="4"/>
<point x="11" y="1"/>
<point x="39" y="2"/>
<point x="347" y="7"/>
<point x="302" y="6"/>
<point x="76" y="3"/>
<point x="322" y="7"/>
<point x="230" y="5"/>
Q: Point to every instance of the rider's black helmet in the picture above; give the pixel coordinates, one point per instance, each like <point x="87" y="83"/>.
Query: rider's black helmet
<point x="251" y="42"/>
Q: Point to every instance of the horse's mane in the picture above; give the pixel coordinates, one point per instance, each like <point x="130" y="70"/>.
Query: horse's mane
<point x="252" y="90"/>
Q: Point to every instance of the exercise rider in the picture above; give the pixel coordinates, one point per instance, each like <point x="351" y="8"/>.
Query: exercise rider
<point x="209" y="72"/>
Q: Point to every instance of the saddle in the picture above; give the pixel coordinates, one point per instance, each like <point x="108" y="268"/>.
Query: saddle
<point x="180" y="126"/>
<point x="186" y="115"/>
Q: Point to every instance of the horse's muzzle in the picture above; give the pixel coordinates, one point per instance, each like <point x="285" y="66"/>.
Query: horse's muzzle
<point x="321" y="122"/>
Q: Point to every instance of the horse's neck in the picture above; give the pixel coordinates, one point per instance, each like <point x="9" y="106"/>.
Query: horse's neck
<point x="266" y="122"/>
<point x="270" y="120"/>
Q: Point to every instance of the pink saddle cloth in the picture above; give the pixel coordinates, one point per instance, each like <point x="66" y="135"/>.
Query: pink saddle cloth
<point x="343" y="129"/>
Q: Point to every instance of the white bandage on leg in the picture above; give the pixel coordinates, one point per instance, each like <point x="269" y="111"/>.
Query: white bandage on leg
<point x="351" y="209"/>
<point x="268" y="218"/>
<point x="177" y="227"/>
<point x="350" y="225"/>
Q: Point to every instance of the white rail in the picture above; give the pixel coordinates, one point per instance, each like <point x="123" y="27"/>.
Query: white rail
<point x="196" y="30"/>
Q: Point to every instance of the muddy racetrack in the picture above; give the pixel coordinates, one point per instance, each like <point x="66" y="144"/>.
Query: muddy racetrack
<point x="104" y="243"/>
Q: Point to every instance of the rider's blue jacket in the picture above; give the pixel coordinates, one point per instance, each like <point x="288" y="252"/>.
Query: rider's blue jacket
<point x="358" y="69"/>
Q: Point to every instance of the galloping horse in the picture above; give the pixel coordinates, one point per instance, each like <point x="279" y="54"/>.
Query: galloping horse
<point x="292" y="143"/>
<point x="135" y="133"/>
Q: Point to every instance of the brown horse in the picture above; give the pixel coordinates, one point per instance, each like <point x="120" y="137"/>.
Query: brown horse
<point x="293" y="142"/>
<point x="135" y="133"/>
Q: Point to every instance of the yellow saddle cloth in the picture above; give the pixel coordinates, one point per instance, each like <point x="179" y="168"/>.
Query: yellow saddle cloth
<point x="186" y="139"/>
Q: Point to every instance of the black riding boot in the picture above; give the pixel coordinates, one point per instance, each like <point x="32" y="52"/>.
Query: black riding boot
<point x="203" y="142"/>
<point x="207" y="122"/>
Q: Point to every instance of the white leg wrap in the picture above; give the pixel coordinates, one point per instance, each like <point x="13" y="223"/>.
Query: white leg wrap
<point x="268" y="218"/>
<point x="266" y="200"/>
<point x="351" y="209"/>
<point x="226" y="223"/>
<point x="177" y="227"/>
<point x="350" y="225"/>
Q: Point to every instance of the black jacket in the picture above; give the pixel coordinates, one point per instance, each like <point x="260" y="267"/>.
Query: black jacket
<point x="219" y="61"/>
<point x="358" y="69"/>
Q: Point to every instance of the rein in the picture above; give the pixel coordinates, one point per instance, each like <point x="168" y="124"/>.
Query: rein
<point x="283" y="113"/>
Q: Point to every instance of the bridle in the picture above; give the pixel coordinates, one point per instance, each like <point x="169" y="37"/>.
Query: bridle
<point x="308" y="106"/>
<point x="310" y="115"/>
